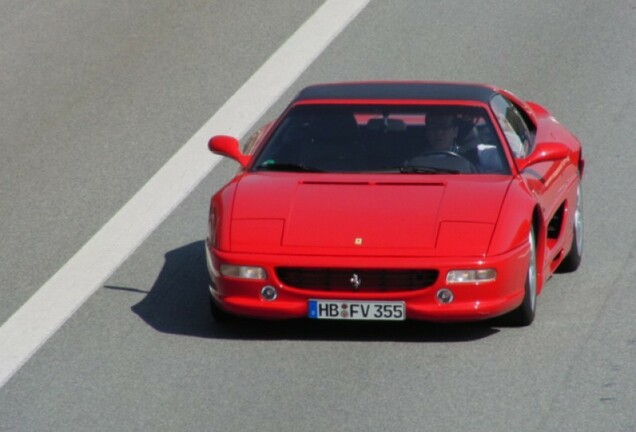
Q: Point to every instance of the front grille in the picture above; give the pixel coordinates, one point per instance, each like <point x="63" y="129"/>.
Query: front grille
<point x="345" y="280"/>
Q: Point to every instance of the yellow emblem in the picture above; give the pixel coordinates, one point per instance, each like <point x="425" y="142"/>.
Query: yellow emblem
<point x="358" y="241"/>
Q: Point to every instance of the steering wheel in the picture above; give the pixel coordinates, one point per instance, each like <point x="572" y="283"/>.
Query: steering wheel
<point x="452" y="154"/>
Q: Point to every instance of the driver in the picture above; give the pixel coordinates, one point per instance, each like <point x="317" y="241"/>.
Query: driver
<point x="441" y="141"/>
<point x="441" y="133"/>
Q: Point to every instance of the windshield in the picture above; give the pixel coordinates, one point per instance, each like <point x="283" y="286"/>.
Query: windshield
<point x="407" y="139"/>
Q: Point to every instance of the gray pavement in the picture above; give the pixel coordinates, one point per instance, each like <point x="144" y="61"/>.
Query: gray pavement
<point x="97" y="97"/>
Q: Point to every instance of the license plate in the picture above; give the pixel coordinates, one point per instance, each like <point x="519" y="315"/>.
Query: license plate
<point x="356" y="310"/>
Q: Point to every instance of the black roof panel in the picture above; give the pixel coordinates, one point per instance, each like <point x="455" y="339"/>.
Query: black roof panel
<point x="399" y="90"/>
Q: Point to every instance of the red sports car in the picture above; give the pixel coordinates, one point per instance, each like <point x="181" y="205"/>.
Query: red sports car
<point x="396" y="200"/>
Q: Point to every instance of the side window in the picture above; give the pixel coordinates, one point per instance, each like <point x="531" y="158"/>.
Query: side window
<point x="515" y="127"/>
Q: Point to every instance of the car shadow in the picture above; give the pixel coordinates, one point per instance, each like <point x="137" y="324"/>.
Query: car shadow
<point x="178" y="303"/>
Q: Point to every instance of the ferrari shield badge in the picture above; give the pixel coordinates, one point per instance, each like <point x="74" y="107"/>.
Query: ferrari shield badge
<point x="355" y="281"/>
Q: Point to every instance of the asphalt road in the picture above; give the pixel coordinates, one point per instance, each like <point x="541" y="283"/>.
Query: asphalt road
<point x="97" y="96"/>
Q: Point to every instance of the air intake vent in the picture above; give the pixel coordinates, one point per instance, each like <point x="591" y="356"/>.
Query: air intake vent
<point x="353" y="280"/>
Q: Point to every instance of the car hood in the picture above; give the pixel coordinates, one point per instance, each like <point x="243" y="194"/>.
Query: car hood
<point x="402" y="215"/>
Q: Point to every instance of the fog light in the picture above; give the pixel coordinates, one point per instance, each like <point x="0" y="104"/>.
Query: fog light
<point x="471" y="276"/>
<point x="243" y="272"/>
<point x="269" y="293"/>
<point x="445" y="296"/>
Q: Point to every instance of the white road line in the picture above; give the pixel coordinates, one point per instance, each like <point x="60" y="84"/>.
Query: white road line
<point x="49" y="308"/>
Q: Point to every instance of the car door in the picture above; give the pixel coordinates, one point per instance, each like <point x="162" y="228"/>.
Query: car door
<point x="546" y="180"/>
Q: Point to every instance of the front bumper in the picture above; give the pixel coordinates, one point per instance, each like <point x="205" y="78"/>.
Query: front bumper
<point x="471" y="302"/>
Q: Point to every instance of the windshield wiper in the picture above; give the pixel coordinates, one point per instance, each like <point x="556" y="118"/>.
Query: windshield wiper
<point x="427" y="170"/>
<point x="292" y="167"/>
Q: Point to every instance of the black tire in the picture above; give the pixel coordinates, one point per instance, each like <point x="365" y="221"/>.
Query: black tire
<point x="220" y="315"/>
<point x="525" y="313"/>
<point x="573" y="259"/>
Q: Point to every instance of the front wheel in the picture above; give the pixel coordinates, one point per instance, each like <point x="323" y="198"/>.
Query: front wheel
<point x="220" y="315"/>
<point x="524" y="314"/>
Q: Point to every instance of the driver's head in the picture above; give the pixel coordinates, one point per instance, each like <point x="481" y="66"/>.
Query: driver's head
<point x="441" y="131"/>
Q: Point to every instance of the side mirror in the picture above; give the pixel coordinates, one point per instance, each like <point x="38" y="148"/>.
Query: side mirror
<point x="544" y="152"/>
<point x="228" y="146"/>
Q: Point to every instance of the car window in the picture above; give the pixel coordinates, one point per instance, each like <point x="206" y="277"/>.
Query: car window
<point x="518" y="130"/>
<point x="389" y="138"/>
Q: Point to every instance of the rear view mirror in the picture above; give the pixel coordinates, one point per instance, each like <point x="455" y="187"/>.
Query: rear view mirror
<point x="545" y="152"/>
<point x="229" y="147"/>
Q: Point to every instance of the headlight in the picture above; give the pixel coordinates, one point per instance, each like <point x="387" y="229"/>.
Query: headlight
<point x="471" y="276"/>
<point x="243" y="272"/>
